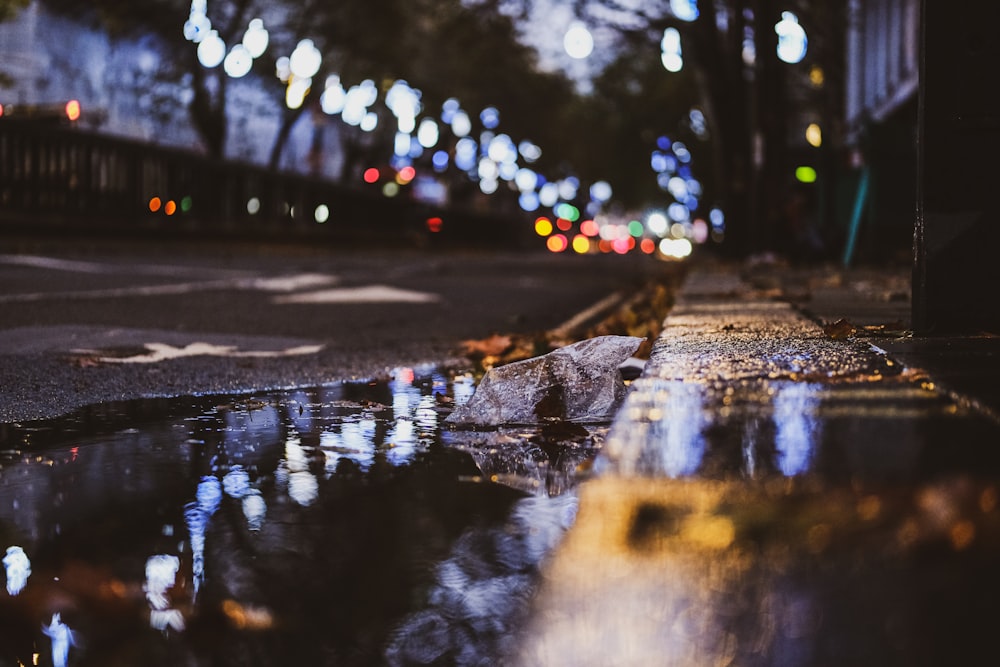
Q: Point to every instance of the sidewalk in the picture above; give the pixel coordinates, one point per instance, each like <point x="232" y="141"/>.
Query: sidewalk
<point x="776" y="491"/>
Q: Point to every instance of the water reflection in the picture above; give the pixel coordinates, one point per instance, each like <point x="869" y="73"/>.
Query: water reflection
<point x="314" y="527"/>
<point x="480" y="593"/>
<point x="759" y="428"/>
<point x="18" y="568"/>
<point x="796" y="426"/>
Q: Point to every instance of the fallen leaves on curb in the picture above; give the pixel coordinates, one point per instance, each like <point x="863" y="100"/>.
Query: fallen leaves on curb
<point x="840" y="330"/>
<point x="641" y="316"/>
<point x="843" y="329"/>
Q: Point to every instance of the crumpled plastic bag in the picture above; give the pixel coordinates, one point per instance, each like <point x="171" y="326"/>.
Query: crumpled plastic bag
<point x="579" y="383"/>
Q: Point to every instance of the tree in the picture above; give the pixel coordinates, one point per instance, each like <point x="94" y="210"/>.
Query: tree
<point x="743" y="95"/>
<point x="8" y="10"/>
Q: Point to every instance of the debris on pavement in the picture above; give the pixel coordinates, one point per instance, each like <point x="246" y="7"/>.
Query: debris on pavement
<point x="579" y="383"/>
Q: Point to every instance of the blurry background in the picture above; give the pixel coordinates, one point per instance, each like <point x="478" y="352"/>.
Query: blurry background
<point x="574" y="125"/>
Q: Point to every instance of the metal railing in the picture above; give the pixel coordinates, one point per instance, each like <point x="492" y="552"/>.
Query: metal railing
<point x="57" y="178"/>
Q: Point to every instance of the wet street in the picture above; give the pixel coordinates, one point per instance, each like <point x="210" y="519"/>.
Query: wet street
<point x="770" y="492"/>
<point x="83" y="324"/>
<point x="338" y="524"/>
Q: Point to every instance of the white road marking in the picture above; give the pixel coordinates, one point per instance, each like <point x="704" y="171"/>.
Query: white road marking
<point x="162" y="352"/>
<point x="79" y="266"/>
<point x="267" y="284"/>
<point x="359" y="294"/>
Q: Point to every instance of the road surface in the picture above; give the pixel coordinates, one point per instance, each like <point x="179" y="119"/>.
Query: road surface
<point x="84" y="324"/>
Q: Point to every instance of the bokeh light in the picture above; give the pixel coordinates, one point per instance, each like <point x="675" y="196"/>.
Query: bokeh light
<point x="684" y="10"/>
<point x="490" y="118"/>
<point x="371" y="175"/>
<point x="305" y="59"/>
<point x="805" y="174"/>
<point x="211" y="50"/>
<point x="238" y="63"/>
<point x="557" y="243"/>
<point x="73" y="110"/>
<point x="814" y="135"/>
<point x="792" y="42"/>
<point x="657" y="223"/>
<point x="670" y="45"/>
<point x="322" y="213"/>
<point x="578" y="41"/>
<point x="405" y="175"/>
<point x="543" y="226"/>
<point x="154" y="204"/>
<point x="581" y="244"/>
<point x="255" y="39"/>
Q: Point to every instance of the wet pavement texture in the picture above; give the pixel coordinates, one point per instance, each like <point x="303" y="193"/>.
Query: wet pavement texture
<point x="774" y="492"/>
<point x="85" y="322"/>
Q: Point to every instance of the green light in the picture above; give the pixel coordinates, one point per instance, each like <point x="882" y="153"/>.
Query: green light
<point x="568" y="212"/>
<point x="635" y="228"/>
<point x="805" y="174"/>
<point x="186" y="204"/>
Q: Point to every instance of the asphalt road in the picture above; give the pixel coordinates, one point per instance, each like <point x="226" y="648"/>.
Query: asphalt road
<point x="82" y="324"/>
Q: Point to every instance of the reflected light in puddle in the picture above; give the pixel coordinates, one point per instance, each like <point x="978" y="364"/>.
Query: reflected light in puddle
<point x="18" y="568"/>
<point x="797" y="430"/>
<point x="197" y="515"/>
<point x="662" y="434"/>
<point x="303" y="486"/>
<point x="62" y="638"/>
<point x="254" y="509"/>
<point x="161" y="573"/>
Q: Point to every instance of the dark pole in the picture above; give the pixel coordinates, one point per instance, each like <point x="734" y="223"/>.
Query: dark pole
<point x="956" y="270"/>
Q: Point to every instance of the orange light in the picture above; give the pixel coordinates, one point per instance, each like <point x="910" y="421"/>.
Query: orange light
<point x="73" y="109"/>
<point x="605" y="246"/>
<point x="434" y="224"/>
<point x="563" y="224"/>
<point x="154" y="204"/>
<point x="589" y="228"/>
<point x="556" y="243"/>
<point x="170" y="207"/>
<point x="648" y="246"/>
<point x="371" y="175"/>
<point x="581" y="244"/>
<point x="543" y="226"/>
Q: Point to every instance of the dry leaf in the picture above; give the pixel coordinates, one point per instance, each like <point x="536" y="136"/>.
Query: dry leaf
<point x="840" y="330"/>
<point x="494" y="346"/>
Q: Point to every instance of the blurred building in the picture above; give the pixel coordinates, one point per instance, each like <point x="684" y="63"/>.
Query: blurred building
<point x="878" y="193"/>
<point x="124" y="91"/>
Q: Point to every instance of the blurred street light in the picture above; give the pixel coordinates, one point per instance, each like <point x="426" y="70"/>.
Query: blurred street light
<point x="239" y="61"/>
<point x="211" y="50"/>
<point x="670" y="46"/>
<point x="578" y="41"/>
<point x="255" y="39"/>
<point x="684" y="10"/>
<point x="305" y="60"/>
<point x="791" y="38"/>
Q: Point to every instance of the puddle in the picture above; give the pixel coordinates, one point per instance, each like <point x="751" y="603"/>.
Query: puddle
<point x="336" y="525"/>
